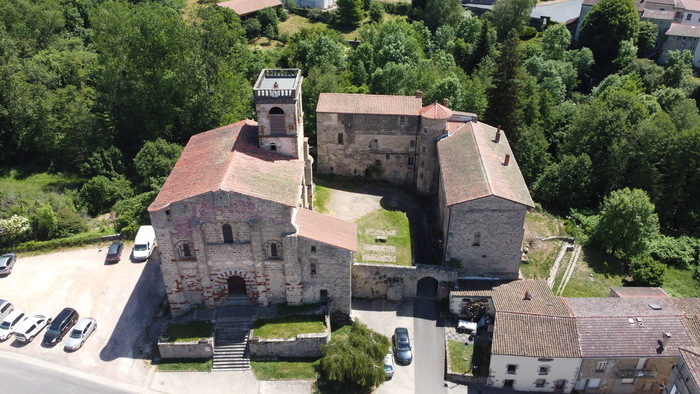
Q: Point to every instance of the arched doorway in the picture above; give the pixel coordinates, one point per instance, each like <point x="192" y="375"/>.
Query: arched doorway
<point x="236" y="285"/>
<point x="427" y="287"/>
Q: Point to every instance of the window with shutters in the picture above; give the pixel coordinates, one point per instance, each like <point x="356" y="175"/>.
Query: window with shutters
<point x="277" y="123"/>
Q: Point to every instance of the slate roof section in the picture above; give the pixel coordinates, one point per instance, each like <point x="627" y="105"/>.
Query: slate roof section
<point x="617" y="337"/>
<point x="690" y="306"/>
<point x="247" y="7"/>
<point x="691" y="356"/>
<point x="680" y="30"/>
<point x="621" y="307"/>
<point x="472" y="167"/>
<point x="228" y="159"/>
<point x="692" y="323"/>
<point x="628" y="292"/>
<point x="518" y="334"/>
<point x="326" y="229"/>
<point x="344" y="103"/>
<point x="509" y="296"/>
<point x="659" y="15"/>
<point x="435" y="111"/>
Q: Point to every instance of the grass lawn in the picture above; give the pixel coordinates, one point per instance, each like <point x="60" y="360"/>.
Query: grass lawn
<point x="321" y="197"/>
<point x="296" y="23"/>
<point x="31" y="187"/>
<point x="680" y="283"/>
<point x="595" y="273"/>
<point x="190" y="332"/>
<point x="288" y="327"/>
<point x="541" y="258"/>
<point x="284" y="370"/>
<point x="385" y="220"/>
<point x="460" y="357"/>
<point x="185" y="365"/>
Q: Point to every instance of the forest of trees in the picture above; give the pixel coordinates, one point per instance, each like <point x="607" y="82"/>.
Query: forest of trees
<point x="94" y="87"/>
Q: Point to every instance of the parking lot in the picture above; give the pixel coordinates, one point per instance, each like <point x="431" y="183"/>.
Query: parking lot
<point x="122" y="297"/>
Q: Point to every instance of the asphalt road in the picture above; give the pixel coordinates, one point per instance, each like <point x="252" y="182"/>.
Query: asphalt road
<point x="429" y="343"/>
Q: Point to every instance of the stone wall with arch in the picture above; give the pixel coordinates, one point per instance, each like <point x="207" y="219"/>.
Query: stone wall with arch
<point x="394" y="282"/>
<point x="220" y="285"/>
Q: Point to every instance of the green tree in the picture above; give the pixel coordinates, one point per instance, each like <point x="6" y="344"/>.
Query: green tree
<point x="556" y="41"/>
<point x="350" y="12"/>
<point x="108" y="162"/>
<point x="376" y="11"/>
<point x="154" y="162"/>
<point x="14" y="229"/>
<point x="646" y="38"/>
<point x="627" y="224"/>
<point x="679" y="252"/>
<point x="44" y="222"/>
<point x="679" y="70"/>
<point x="566" y="184"/>
<point x="99" y="193"/>
<point x="605" y="26"/>
<point x="269" y="22"/>
<point x="442" y="13"/>
<point x="647" y="272"/>
<point x="506" y="95"/>
<point x="355" y="361"/>
<point x="507" y="15"/>
<point x="133" y="213"/>
<point x="253" y="28"/>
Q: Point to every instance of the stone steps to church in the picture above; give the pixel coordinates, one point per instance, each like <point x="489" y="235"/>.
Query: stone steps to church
<point x="231" y="344"/>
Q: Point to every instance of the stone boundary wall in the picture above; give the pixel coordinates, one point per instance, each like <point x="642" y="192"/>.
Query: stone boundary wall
<point x="199" y="350"/>
<point x="458" y="377"/>
<point x="395" y="282"/>
<point x="303" y="346"/>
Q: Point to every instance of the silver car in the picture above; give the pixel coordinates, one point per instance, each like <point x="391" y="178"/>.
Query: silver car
<point x="7" y="262"/>
<point x="31" y="328"/>
<point x="5" y="308"/>
<point x="80" y="333"/>
<point x="12" y="321"/>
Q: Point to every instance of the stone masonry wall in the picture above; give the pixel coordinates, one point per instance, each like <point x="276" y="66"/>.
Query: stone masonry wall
<point x="393" y="282"/>
<point x="196" y="350"/>
<point x="332" y="267"/>
<point x="486" y="236"/>
<point x="658" y="369"/>
<point x="303" y="345"/>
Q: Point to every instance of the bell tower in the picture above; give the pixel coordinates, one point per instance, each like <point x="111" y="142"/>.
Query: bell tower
<point x="277" y="95"/>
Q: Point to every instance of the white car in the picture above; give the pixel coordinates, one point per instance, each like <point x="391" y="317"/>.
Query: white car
<point x="12" y="321"/>
<point x="31" y="327"/>
<point x="80" y="333"/>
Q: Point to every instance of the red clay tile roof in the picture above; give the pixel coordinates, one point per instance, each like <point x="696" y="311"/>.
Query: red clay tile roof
<point x="326" y="229"/>
<point x="509" y="296"/>
<point x="471" y="167"/>
<point x="627" y="292"/>
<point x="690" y="306"/>
<point x="228" y="159"/>
<point x="621" y="307"/>
<point x="247" y="7"/>
<point x="617" y="337"/>
<point x="435" y="111"/>
<point x="691" y="356"/>
<point x="342" y="103"/>
<point x="680" y="30"/>
<point x="692" y="323"/>
<point x="657" y="14"/>
<point x="518" y="334"/>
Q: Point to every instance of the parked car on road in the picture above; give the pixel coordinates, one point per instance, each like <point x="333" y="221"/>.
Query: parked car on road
<point x="402" y="346"/>
<point x="80" y="333"/>
<point x="31" y="327"/>
<point x="144" y="243"/>
<point x="114" y="253"/>
<point x="5" y="308"/>
<point x="7" y="261"/>
<point x="389" y="365"/>
<point x="13" y="320"/>
<point x="60" y="326"/>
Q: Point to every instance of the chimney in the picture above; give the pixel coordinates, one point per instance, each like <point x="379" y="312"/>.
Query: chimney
<point x="527" y="295"/>
<point x="664" y="341"/>
<point x="276" y="86"/>
<point x="446" y="102"/>
<point x="419" y="94"/>
<point x="507" y="160"/>
<point x="498" y="135"/>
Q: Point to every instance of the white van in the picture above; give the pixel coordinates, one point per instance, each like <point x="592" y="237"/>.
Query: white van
<point x="144" y="243"/>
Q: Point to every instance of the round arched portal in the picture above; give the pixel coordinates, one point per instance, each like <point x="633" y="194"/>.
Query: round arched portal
<point x="427" y="287"/>
<point x="236" y="285"/>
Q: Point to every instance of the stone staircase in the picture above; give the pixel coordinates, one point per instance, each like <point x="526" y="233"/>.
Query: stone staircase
<point x="234" y="319"/>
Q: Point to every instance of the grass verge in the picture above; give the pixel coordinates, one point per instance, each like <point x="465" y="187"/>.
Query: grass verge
<point x="386" y="221"/>
<point x="190" y="332"/>
<point x="680" y="283"/>
<point x="285" y="370"/>
<point x="185" y="365"/>
<point x="460" y="357"/>
<point x="288" y="327"/>
<point x="321" y="197"/>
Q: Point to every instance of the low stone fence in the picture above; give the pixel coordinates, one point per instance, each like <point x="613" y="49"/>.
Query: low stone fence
<point x="395" y="282"/>
<point x="200" y="350"/>
<point x="303" y="346"/>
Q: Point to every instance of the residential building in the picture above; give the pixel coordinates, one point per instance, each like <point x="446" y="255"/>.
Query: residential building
<point x="685" y="376"/>
<point x="249" y="8"/>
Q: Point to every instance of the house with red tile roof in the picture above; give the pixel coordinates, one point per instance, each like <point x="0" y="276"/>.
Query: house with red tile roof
<point x="234" y="217"/>
<point x="248" y="8"/>
<point x="467" y="165"/>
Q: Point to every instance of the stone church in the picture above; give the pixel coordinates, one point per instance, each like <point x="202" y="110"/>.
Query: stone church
<point x="234" y="216"/>
<point x="468" y="166"/>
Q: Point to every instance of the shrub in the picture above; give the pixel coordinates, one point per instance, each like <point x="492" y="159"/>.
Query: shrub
<point x="132" y="213"/>
<point x="529" y="32"/>
<point x="69" y="221"/>
<point x="679" y="252"/>
<point x="376" y="11"/>
<point x="99" y="193"/>
<point x="154" y="162"/>
<point x="646" y="271"/>
<point x="252" y="27"/>
<point x="282" y="14"/>
<point x="44" y="222"/>
<point x="75" y="240"/>
<point x="398" y="8"/>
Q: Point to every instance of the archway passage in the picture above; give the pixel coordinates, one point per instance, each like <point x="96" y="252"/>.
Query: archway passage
<point x="236" y="285"/>
<point x="427" y="287"/>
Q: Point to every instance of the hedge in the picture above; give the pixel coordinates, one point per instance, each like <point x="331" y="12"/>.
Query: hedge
<point x="75" y="240"/>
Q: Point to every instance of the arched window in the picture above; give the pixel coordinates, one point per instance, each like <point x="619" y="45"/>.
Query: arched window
<point x="277" y="123"/>
<point x="228" y="233"/>
<point x="186" y="250"/>
<point x="273" y="250"/>
<point x="477" y="239"/>
<point x="273" y="146"/>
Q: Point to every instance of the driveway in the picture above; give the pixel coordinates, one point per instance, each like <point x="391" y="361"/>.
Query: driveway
<point x="122" y="297"/>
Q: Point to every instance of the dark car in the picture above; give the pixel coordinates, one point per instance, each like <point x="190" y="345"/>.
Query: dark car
<point x="114" y="253"/>
<point x="402" y="346"/>
<point x="60" y="326"/>
<point x="7" y="261"/>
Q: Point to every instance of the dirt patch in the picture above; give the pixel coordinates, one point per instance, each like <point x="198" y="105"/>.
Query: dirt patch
<point x="352" y="206"/>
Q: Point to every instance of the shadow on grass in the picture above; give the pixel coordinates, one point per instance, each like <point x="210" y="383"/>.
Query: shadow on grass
<point x="603" y="263"/>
